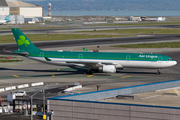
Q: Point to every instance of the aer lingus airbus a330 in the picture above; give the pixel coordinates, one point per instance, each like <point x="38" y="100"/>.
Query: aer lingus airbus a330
<point x="95" y="61"/>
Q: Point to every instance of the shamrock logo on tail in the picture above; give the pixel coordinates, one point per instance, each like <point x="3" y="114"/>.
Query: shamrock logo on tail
<point x="22" y="40"/>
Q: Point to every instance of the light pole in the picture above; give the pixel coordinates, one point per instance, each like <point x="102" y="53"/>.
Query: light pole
<point x="43" y="92"/>
<point x="60" y="12"/>
<point x="117" y="12"/>
<point x="11" y="85"/>
<point x="32" y="102"/>
<point x="88" y="13"/>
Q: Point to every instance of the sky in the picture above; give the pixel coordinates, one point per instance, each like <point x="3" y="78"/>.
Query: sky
<point x="42" y="0"/>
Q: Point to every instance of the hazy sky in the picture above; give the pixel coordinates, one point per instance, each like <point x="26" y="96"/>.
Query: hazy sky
<point x="42" y="0"/>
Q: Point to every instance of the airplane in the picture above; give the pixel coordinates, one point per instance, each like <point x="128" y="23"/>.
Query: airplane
<point x="84" y="49"/>
<point x="106" y="62"/>
<point x="5" y="20"/>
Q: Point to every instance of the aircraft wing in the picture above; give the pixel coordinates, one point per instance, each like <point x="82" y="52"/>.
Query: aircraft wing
<point x="83" y="62"/>
<point x="97" y="63"/>
<point x="90" y="62"/>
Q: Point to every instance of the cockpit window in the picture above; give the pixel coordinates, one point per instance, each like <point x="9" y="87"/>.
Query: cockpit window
<point x="169" y="59"/>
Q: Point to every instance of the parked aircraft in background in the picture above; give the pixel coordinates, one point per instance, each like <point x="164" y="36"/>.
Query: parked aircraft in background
<point x="6" y="20"/>
<point x="95" y="61"/>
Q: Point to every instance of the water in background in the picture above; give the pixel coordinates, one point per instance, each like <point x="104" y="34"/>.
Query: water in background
<point x="112" y="13"/>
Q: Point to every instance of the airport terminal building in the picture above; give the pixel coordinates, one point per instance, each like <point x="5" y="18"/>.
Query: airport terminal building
<point x="92" y="105"/>
<point x="15" y="7"/>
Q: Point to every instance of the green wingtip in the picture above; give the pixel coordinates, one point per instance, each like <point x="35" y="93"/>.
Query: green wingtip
<point x="47" y="59"/>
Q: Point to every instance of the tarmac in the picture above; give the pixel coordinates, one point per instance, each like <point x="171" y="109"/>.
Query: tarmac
<point x="158" y="98"/>
<point x="58" y="77"/>
<point x="18" y="116"/>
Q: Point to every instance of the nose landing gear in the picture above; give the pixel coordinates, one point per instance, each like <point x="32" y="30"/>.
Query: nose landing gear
<point x="158" y="72"/>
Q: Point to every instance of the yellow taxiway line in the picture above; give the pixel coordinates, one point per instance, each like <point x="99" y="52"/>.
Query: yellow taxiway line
<point x="15" y="75"/>
<point x="125" y="76"/>
<point x="90" y="76"/>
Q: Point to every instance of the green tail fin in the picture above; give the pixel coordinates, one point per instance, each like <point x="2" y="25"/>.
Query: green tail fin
<point x="84" y="49"/>
<point x="24" y="44"/>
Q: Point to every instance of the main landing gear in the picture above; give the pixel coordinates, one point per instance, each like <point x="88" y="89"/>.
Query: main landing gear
<point x="90" y="72"/>
<point x="158" y="72"/>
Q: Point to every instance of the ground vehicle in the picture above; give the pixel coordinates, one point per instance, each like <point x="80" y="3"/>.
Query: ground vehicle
<point x="20" y="93"/>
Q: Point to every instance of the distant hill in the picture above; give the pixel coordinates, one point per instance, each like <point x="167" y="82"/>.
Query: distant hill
<point x="109" y="4"/>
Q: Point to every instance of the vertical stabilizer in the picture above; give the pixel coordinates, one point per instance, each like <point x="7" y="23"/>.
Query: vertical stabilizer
<point x="84" y="49"/>
<point x="24" y="44"/>
<point x="8" y="17"/>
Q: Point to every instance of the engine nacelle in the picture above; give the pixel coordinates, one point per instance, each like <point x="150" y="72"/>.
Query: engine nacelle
<point x="108" y="68"/>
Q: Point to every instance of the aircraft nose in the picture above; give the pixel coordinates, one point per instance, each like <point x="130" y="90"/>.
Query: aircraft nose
<point x="174" y="63"/>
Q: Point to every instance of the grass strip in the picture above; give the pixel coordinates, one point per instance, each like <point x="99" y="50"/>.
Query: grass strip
<point x="138" y="31"/>
<point x="7" y="61"/>
<point x="49" y="37"/>
<point x="32" y="27"/>
<point x="5" y="57"/>
<point x="137" y="24"/>
<point x="151" y="45"/>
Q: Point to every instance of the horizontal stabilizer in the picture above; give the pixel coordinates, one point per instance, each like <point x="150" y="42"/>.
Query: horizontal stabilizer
<point x="21" y="52"/>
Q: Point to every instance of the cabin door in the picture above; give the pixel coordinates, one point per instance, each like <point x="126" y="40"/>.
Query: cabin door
<point x="41" y="54"/>
<point x="80" y="57"/>
<point x="128" y="57"/>
<point x="160" y="59"/>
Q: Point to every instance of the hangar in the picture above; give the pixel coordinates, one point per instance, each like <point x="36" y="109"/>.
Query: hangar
<point x="15" y="7"/>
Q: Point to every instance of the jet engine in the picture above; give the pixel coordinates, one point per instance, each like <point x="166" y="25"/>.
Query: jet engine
<point x="108" y="68"/>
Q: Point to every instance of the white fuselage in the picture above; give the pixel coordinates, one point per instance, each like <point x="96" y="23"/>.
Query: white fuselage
<point x="3" y="21"/>
<point x="122" y="63"/>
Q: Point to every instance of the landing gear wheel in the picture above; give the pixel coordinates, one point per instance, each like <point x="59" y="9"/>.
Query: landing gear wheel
<point x="158" y="72"/>
<point x="90" y="72"/>
<point x="85" y="72"/>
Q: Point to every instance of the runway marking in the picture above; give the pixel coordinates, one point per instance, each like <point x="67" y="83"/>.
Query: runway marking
<point x="90" y="76"/>
<point x="15" y="75"/>
<point x="58" y="69"/>
<point x="53" y="75"/>
<point x="125" y="76"/>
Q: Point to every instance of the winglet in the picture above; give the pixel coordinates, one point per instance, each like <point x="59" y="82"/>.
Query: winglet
<point x="47" y="59"/>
